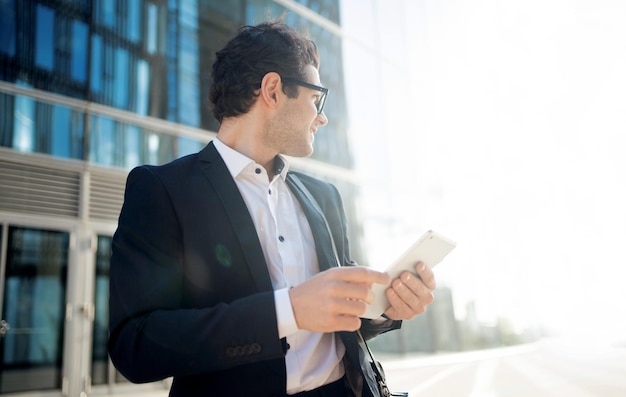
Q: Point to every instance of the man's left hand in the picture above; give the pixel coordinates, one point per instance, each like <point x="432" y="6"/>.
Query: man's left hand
<point x="409" y="295"/>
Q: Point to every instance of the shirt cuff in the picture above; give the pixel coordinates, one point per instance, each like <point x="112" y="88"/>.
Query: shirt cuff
<point x="284" y="313"/>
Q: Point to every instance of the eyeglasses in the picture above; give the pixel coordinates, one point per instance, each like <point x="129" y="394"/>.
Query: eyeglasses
<point x="320" y="103"/>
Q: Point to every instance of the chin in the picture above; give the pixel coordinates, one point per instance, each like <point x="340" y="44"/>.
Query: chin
<point x="302" y="153"/>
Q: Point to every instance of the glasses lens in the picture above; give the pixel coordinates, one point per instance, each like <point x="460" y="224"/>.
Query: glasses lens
<point x="321" y="103"/>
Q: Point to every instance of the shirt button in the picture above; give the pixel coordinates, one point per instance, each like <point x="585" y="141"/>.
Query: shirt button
<point x="269" y="191"/>
<point x="281" y="238"/>
<point x="258" y="170"/>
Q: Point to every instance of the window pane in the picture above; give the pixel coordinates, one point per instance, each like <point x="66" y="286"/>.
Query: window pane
<point x="60" y="145"/>
<point x="188" y="66"/>
<point x="120" y="93"/>
<point x="6" y="123"/>
<point x="134" y="147"/>
<point x="34" y="307"/>
<point x="102" y="142"/>
<point x="79" y="51"/>
<point x="188" y="146"/>
<point x="143" y="87"/>
<point x="119" y="144"/>
<point x="134" y="20"/>
<point x="77" y="135"/>
<point x="96" y="64"/>
<point x="7" y="27"/>
<point x="151" y="35"/>
<point x="44" y="53"/>
<point x="67" y="133"/>
<point x="106" y="11"/>
<point x="100" y="358"/>
<point x="24" y="131"/>
<point x="153" y="144"/>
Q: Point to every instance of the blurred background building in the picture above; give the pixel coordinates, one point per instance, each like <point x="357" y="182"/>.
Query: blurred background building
<point x="91" y="88"/>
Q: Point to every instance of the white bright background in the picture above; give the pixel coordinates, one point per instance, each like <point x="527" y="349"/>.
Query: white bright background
<point x="501" y="124"/>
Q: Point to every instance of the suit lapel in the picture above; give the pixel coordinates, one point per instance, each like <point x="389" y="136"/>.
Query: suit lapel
<point x="218" y="176"/>
<point x="323" y="240"/>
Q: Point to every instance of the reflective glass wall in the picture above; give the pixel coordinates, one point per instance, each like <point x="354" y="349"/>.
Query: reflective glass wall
<point x="146" y="57"/>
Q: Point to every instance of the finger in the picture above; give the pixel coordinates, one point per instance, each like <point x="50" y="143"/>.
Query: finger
<point x="406" y="302"/>
<point x="411" y="288"/>
<point x="349" y="291"/>
<point x="427" y="275"/>
<point x="399" y="309"/>
<point x="348" y="307"/>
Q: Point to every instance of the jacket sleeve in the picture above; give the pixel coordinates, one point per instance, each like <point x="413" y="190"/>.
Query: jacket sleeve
<point x="153" y="333"/>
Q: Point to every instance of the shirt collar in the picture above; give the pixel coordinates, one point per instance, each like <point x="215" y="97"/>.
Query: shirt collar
<point x="237" y="162"/>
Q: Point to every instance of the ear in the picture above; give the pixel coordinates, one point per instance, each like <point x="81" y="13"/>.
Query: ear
<point x="271" y="89"/>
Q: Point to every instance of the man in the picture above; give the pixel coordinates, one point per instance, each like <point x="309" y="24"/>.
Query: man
<point x="224" y="275"/>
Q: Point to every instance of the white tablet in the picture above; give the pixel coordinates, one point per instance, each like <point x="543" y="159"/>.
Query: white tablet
<point x="431" y="248"/>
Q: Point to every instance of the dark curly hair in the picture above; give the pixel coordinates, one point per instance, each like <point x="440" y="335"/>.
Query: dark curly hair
<point x="250" y="55"/>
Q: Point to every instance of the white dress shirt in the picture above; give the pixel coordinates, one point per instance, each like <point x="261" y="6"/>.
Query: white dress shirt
<point x="313" y="359"/>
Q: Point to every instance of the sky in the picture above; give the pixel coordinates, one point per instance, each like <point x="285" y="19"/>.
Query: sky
<point x="507" y="134"/>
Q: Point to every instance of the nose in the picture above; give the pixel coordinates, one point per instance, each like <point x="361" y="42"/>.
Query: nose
<point x="323" y="120"/>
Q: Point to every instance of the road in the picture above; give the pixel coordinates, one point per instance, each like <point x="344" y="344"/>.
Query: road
<point x="554" y="368"/>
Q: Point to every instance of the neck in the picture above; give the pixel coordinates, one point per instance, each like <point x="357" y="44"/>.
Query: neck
<point x="245" y="138"/>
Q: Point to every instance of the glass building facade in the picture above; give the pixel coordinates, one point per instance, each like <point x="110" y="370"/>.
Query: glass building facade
<point x="88" y="90"/>
<point x="145" y="58"/>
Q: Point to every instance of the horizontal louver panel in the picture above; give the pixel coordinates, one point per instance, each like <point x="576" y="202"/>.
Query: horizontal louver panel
<point x="38" y="190"/>
<point x="106" y="196"/>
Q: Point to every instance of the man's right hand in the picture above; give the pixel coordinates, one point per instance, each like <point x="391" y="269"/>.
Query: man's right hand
<point x="334" y="299"/>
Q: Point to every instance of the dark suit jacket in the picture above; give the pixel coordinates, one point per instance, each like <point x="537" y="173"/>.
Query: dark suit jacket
<point x="190" y="293"/>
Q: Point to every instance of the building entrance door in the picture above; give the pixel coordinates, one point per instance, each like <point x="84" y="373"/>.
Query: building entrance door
<point x="102" y="370"/>
<point x="33" y="291"/>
